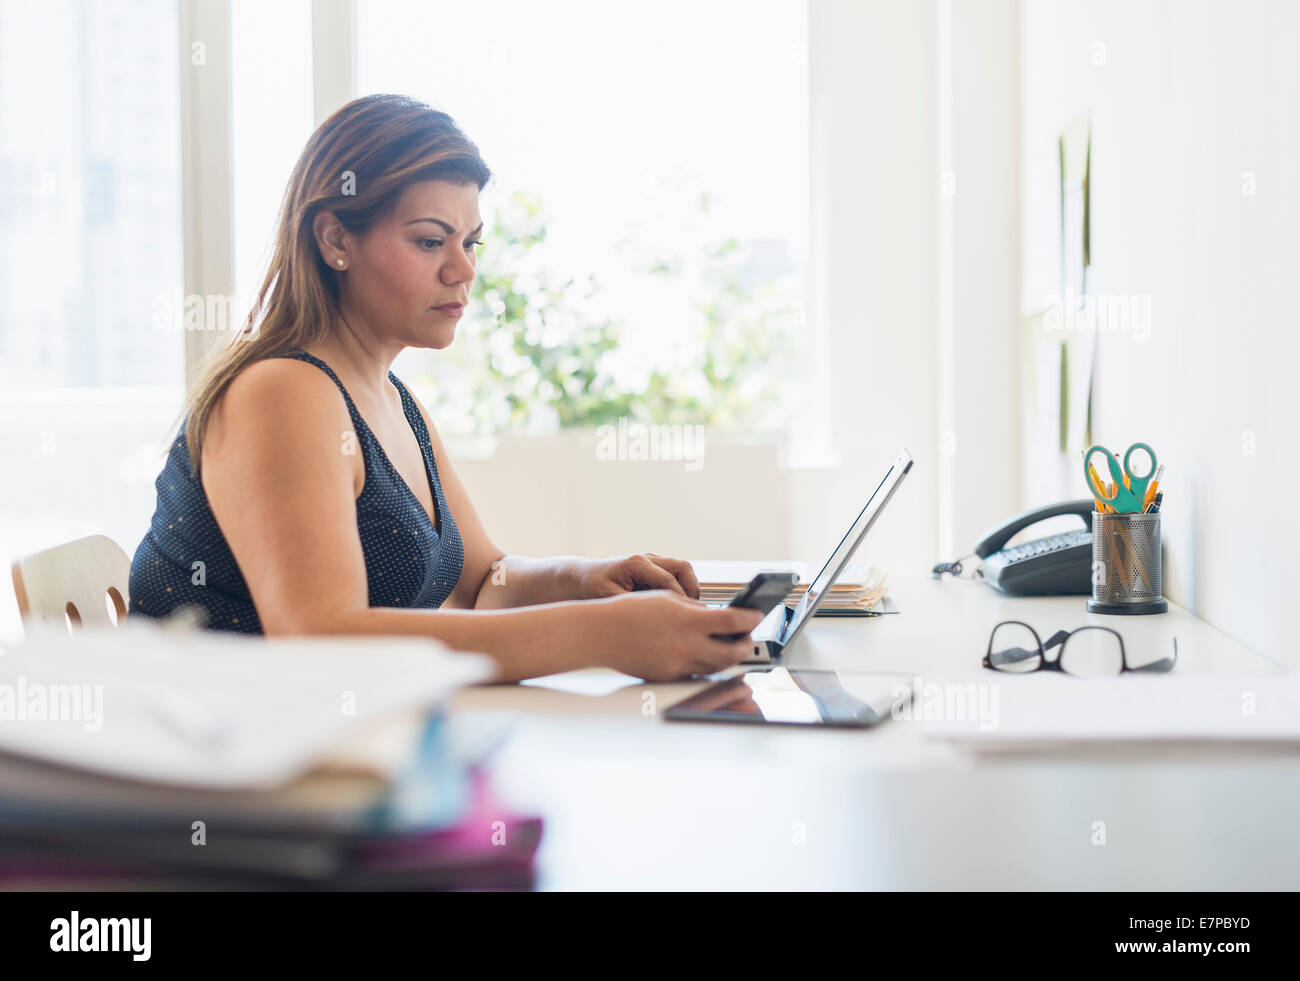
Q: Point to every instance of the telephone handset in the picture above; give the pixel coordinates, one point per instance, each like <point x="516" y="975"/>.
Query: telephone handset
<point x="1058" y="565"/>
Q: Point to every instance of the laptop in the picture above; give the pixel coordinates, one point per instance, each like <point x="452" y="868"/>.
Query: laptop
<point x="780" y="627"/>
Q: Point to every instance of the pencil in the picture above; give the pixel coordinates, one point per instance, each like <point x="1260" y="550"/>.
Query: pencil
<point x="1096" y="483"/>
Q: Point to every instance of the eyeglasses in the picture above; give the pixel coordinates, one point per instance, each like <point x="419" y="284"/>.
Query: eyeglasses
<point x="1089" y="652"/>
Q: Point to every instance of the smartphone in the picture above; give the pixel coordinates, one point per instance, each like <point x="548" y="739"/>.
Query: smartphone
<point x="761" y="593"/>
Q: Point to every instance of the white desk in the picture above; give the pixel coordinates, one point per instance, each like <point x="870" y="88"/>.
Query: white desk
<point x="634" y="802"/>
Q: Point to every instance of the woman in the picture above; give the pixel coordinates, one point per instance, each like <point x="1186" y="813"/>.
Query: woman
<point x="309" y="493"/>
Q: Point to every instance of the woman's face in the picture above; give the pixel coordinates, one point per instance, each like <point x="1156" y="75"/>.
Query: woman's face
<point x="419" y="258"/>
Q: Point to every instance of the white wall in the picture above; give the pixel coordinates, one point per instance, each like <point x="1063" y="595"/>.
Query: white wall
<point x="566" y="495"/>
<point x="873" y="278"/>
<point x="979" y="271"/>
<point x="915" y="273"/>
<point x="1190" y="100"/>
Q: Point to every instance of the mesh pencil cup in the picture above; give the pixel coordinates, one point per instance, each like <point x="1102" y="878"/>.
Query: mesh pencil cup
<point x="1126" y="560"/>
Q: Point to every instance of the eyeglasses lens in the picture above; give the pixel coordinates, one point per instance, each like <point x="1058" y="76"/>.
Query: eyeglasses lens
<point x="1092" y="652"/>
<point x="1015" y="648"/>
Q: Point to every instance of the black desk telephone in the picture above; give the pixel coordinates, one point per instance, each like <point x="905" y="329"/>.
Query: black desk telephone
<point x="1058" y="565"/>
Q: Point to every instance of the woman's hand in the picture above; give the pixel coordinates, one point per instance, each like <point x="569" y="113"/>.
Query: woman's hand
<point x="662" y="636"/>
<point x="598" y="578"/>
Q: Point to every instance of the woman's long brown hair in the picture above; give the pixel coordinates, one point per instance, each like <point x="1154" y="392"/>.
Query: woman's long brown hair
<point x="356" y="164"/>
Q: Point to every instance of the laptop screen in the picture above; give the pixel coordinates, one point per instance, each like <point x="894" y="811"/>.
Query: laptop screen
<point x="812" y="598"/>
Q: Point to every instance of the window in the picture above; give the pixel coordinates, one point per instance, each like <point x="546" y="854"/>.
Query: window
<point x="90" y="165"/>
<point x="668" y="167"/>
<point x="90" y="265"/>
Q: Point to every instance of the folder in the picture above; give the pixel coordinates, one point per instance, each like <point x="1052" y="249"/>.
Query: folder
<point x="861" y="588"/>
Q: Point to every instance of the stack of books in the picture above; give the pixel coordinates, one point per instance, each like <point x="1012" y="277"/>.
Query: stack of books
<point x="134" y="758"/>
<point x="861" y="588"/>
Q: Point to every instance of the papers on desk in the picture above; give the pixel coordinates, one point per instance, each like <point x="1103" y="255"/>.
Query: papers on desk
<point x="861" y="588"/>
<point x="142" y="757"/>
<point x="595" y="682"/>
<point x="993" y="712"/>
<point x="217" y="710"/>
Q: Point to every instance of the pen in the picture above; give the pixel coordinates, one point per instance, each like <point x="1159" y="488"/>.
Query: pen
<point x="1151" y="491"/>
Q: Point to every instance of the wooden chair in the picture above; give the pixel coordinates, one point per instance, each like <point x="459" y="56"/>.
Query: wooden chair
<point x="73" y="583"/>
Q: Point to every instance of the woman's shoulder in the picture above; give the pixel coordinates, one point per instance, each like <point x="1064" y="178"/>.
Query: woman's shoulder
<point x="283" y="382"/>
<point x="282" y="395"/>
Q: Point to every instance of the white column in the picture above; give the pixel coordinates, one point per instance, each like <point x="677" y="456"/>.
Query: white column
<point x="334" y="56"/>
<point x="208" y="228"/>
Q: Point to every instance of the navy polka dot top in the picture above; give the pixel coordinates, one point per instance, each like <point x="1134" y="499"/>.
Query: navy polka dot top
<point x="184" y="559"/>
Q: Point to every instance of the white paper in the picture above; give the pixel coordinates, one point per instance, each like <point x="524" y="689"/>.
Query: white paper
<point x="216" y="710"/>
<point x="597" y="682"/>
<point x="1005" y="710"/>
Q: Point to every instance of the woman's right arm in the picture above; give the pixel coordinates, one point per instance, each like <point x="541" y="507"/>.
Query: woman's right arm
<point x="283" y="486"/>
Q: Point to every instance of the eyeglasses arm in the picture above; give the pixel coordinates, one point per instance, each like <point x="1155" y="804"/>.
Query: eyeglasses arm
<point x="1164" y="664"/>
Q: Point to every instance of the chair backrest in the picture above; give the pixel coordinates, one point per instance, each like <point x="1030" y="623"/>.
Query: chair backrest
<point x="76" y="580"/>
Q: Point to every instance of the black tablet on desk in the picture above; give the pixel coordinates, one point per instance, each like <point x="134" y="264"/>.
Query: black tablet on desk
<point x="793" y="696"/>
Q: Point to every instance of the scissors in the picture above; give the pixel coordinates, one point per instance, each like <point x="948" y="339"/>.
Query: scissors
<point x="1127" y="499"/>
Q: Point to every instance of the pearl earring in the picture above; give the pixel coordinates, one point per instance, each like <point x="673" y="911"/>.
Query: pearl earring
<point x="340" y="262"/>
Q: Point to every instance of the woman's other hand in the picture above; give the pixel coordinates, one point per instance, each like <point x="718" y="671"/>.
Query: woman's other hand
<point x="599" y="578"/>
<point x="661" y="636"/>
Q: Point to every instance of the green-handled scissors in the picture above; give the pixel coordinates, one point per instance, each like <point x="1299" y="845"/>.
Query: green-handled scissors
<point x="1126" y="500"/>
